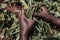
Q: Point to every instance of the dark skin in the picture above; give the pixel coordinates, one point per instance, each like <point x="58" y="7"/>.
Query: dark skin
<point x="26" y="24"/>
<point x="45" y="15"/>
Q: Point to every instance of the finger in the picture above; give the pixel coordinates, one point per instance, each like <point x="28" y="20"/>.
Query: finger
<point x="29" y="20"/>
<point x="44" y="9"/>
<point x="30" y="23"/>
<point x="11" y="8"/>
<point x="21" y="14"/>
<point x="36" y="14"/>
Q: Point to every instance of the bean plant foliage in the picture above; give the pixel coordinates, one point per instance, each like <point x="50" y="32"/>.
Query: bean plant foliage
<point x="42" y="30"/>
